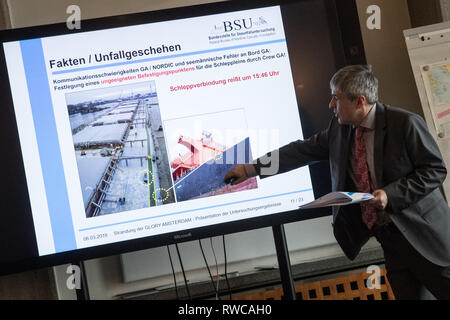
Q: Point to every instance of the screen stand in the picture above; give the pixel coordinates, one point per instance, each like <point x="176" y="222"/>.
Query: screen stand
<point x="83" y="291"/>
<point x="284" y="263"/>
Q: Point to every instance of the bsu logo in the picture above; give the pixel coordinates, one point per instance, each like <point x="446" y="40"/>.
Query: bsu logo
<point x="237" y="24"/>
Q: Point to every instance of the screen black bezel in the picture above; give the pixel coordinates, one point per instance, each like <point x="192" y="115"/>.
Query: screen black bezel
<point x="319" y="173"/>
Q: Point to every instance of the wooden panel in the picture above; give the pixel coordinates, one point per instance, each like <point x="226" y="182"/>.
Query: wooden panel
<point x="349" y="287"/>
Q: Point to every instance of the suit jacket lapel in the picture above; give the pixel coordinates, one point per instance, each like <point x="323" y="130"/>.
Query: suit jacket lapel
<point x="380" y="131"/>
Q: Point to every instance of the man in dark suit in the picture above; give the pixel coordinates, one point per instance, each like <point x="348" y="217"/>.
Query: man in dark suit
<point x="389" y="152"/>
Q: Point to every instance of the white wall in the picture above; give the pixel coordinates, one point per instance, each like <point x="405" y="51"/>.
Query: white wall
<point x="445" y="8"/>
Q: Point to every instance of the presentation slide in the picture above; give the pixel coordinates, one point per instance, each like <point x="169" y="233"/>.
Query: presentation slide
<point x="128" y="132"/>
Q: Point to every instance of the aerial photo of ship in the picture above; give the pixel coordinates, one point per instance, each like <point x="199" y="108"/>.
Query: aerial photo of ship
<point x="120" y="148"/>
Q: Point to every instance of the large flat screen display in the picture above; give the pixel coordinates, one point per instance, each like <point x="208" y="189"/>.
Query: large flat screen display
<point x="124" y="134"/>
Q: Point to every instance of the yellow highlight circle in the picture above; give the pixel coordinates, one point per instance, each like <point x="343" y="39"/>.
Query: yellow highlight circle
<point x="165" y="198"/>
<point x="141" y="175"/>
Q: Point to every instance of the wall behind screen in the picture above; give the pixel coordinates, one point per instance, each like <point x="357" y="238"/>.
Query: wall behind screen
<point x="386" y="48"/>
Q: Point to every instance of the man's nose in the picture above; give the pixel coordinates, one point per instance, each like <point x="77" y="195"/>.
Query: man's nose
<point x="332" y="104"/>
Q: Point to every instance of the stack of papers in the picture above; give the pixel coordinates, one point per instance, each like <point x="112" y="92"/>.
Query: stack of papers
<point x="337" y="199"/>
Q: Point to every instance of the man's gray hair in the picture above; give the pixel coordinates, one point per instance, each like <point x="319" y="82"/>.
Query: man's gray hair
<point x="356" y="80"/>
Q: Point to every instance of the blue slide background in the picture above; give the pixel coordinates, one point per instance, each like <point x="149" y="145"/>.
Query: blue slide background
<point x="48" y="145"/>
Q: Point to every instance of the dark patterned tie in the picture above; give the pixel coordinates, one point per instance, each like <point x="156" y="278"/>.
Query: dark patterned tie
<point x="361" y="172"/>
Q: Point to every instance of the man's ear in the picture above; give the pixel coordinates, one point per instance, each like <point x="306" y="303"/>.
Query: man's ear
<point x="361" y="101"/>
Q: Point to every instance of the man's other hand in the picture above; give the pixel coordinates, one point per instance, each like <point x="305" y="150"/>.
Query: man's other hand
<point x="380" y="199"/>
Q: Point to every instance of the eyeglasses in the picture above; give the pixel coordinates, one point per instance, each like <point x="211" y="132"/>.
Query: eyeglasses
<point x="335" y="97"/>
